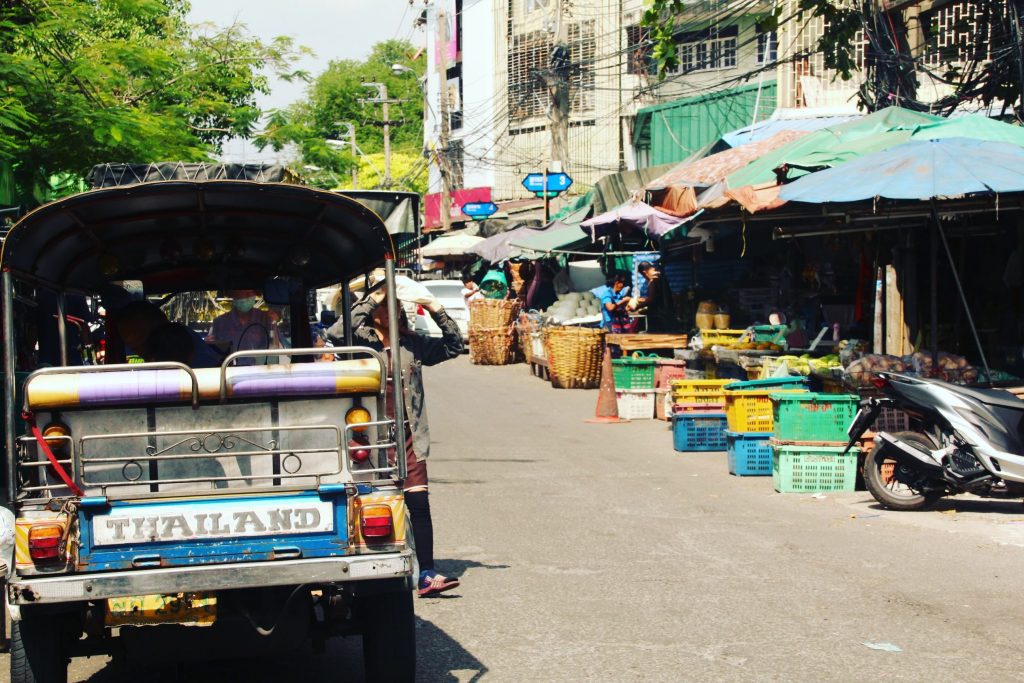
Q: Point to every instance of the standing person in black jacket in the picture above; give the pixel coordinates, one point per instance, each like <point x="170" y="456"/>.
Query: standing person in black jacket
<point x="371" y="327"/>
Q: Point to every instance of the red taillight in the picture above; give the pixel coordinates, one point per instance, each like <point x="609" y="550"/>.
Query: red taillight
<point x="376" y="522"/>
<point x="420" y="310"/>
<point x="357" y="453"/>
<point x="880" y="382"/>
<point x="44" y="542"/>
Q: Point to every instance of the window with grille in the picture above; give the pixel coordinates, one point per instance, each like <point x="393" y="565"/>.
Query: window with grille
<point x="962" y="31"/>
<point x="767" y="47"/>
<point x="582" y="50"/>
<point x="707" y="50"/>
<point x="529" y="67"/>
<point x="528" y="61"/>
<point x="638" y="51"/>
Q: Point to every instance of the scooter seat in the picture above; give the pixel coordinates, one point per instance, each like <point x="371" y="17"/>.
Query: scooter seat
<point x="991" y="397"/>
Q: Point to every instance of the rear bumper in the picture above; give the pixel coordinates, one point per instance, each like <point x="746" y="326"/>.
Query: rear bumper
<point x="171" y="580"/>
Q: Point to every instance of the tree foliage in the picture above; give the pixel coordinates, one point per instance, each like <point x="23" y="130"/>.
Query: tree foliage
<point x="333" y="99"/>
<point x="91" y="81"/>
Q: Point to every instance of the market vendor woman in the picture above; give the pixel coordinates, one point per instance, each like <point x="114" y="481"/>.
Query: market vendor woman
<point x="371" y="327"/>
<point x="614" y="298"/>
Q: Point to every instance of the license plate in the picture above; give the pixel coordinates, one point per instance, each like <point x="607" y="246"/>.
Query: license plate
<point x="193" y="609"/>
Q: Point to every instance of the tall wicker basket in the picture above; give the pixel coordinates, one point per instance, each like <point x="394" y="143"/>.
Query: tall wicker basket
<point x="488" y="314"/>
<point x="574" y="356"/>
<point x="495" y="346"/>
<point x="492" y="331"/>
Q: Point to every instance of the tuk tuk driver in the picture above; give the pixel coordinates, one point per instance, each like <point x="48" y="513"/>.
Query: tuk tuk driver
<point x="244" y="327"/>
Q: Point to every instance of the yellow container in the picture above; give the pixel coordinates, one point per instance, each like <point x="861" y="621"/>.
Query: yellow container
<point x="699" y="390"/>
<point x="751" y="411"/>
<point x="721" y="337"/>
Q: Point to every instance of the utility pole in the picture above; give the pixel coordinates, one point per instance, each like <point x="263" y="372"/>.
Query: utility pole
<point x="350" y="131"/>
<point x="382" y="99"/>
<point x="442" y="151"/>
<point x="558" y="90"/>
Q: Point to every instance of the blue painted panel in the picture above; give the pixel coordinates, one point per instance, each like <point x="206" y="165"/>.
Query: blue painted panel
<point x="220" y="550"/>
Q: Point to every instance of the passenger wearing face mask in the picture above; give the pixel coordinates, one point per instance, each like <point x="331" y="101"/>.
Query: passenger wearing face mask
<point x="244" y="327"/>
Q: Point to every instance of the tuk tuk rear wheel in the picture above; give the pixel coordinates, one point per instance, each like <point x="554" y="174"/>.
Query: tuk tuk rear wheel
<point x="38" y="652"/>
<point x="389" y="637"/>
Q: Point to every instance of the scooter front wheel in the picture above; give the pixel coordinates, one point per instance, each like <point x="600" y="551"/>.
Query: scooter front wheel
<point x="899" y="486"/>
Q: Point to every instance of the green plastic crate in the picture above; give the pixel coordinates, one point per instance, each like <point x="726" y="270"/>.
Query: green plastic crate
<point x="812" y="469"/>
<point x="633" y="373"/>
<point x="812" y="417"/>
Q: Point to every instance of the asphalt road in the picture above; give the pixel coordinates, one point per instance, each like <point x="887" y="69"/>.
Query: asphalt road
<point x="596" y="552"/>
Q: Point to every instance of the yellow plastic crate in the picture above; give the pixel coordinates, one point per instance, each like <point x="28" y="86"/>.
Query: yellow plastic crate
<point x="751" y="411"/>
<point x="699" y="390"/>
<point x="721" y="337"/>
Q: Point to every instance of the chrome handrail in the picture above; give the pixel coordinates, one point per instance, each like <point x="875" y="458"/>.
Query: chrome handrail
<point x="119" y="367"/>
<point x="315" y="351"/>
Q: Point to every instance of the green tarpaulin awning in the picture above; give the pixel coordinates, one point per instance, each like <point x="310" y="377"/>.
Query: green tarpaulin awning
<point x="558" y="237"/>
<point x="833" y="145"/>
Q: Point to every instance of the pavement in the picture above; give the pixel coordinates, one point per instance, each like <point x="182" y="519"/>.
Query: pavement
<point x="597" y="552"/>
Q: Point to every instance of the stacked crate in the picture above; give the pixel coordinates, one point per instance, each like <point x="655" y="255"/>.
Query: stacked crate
<point x="809" y="440"/>
<point x="698" y="418"/>
<point x="634" y="387"/>
<point x="750" y="423"/>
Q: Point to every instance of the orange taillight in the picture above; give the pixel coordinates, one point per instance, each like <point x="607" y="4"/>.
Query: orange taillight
<point x="376" y="522"/>
<point x="44" y="541"/>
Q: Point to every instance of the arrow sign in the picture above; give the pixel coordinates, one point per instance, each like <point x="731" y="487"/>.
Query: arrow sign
<point x="479" y="210"/>
<point x="556" y="182"/>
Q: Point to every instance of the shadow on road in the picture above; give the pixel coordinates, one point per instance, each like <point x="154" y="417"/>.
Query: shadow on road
<point x="999" y="506"/>
<point x="439" y="658"/>
<point x="456" y="568"/>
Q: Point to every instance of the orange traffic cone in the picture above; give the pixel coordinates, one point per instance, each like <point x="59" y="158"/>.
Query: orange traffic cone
<point x="607" y="411"/>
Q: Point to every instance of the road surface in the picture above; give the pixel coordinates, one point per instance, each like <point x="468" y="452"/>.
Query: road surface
<point x="596" y="552"/>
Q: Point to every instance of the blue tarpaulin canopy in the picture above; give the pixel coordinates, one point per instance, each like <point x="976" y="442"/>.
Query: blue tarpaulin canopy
<point x="919" y="169"/>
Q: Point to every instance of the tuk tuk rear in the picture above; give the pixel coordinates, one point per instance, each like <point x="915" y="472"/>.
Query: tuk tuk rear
<point x="166" y="511"/>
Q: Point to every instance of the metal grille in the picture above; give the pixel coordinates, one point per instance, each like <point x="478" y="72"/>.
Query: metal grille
<point x="528" y="59"/>
<point x="582" y="50"/>
<point x="804" y="81"/>
<point x="960" y="32"/>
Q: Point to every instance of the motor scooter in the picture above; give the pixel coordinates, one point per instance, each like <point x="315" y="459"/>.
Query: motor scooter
<point x="967" y="441"/>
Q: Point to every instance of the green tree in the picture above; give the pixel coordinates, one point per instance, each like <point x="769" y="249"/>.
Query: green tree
<point x="333" y="98"/>
<point x="91" y="81"/>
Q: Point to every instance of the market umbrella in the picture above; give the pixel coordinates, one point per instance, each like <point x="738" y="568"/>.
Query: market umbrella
<point x="638" y="215"/>
<point x="557" y="237"/>
<point x="919" y="169"/>
<point x="496" y="248"/>
<point x="973" y="126"/>
<point x="450" y="245"/>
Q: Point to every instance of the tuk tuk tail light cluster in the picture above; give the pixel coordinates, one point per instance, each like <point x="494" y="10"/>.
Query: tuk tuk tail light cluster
<point x="357" y="416"/>
<point x="44" y="541"/>
<point x="55" y="435"/>
<point x="376" y="522"/>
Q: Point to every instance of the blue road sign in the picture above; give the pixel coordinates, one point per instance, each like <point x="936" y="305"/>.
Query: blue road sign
<point x="556" y="182"/>
<point x="479" y="210"/>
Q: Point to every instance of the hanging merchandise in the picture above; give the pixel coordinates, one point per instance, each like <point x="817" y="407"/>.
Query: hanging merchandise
<point x="494" y="285"/>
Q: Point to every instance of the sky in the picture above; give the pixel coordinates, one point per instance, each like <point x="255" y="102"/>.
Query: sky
<point x="333" y="29"/>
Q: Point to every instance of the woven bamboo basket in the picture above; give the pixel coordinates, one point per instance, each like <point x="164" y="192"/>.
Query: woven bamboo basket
<point x="525" y="328"/>
<point x="494" y="346"/>
<point x="520" y="270"/>
<point x="574" y="356"/>
<point x="489" y="314"/>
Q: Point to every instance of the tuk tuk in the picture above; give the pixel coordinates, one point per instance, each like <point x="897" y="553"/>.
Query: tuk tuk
<point x="166" y="511"/>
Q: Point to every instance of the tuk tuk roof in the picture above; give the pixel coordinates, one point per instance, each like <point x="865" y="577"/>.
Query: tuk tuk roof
<point x="194" y="235"/>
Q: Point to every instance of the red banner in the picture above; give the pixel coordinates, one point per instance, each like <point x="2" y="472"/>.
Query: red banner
<point x="432" y="205"/>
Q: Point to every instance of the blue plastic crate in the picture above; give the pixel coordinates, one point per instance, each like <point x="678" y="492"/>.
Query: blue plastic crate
<point x="749" y="453"/>
<point x="698" y="432"/>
